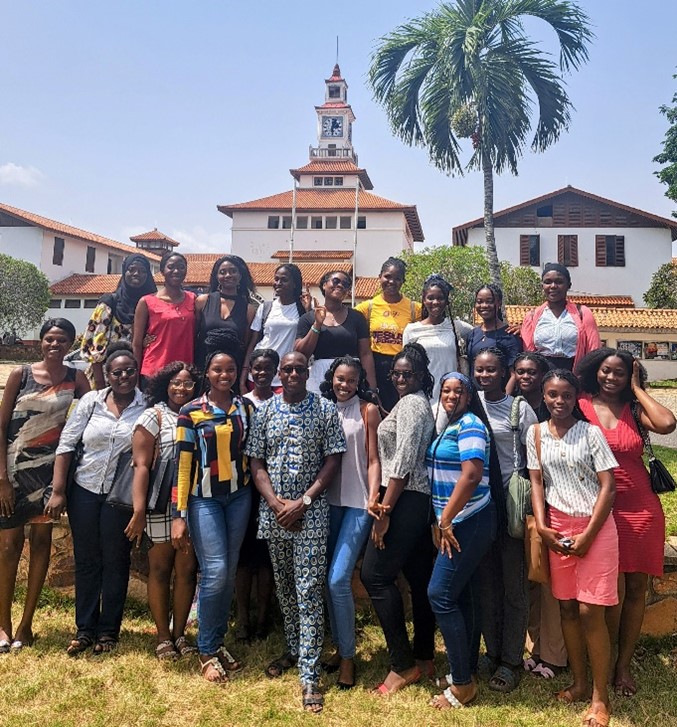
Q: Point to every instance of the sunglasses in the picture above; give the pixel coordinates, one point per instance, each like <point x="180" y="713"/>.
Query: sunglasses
<point x="300" y="370"/>
<point x="118" y="372"/>
<point x="406" y="375"/>
<point x="177" y="384"/>
<point x="345" y="284"/>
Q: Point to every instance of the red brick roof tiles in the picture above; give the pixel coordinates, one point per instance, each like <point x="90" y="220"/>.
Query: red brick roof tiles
<point x="333" y="166"/>
<point x="154" y="236"/>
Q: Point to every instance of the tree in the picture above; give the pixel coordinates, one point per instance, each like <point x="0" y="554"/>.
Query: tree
<point x="24" y="295"/>
<point x="467" y="268"/>
<point x="662" y="292"/>
<point x="668" y="157"/>
<point x="468" y="70"/>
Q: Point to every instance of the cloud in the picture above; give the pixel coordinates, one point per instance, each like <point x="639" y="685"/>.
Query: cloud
<point x="199" y="239"/>
<point x="14" y="174"/>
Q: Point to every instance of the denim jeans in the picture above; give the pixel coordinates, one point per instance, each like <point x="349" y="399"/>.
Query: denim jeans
<point x="217" y="526"/>
<point x="102" y="554"/>
<point x="454" y="593"/>
<point x="349" y="529"/>
<point x="505" y="600"/>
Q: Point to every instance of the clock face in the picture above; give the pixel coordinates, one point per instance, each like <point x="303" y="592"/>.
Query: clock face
<point x="332" y="126"/>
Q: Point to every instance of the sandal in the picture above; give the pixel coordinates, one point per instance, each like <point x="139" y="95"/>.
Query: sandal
<point x="444" y="682"/>
<point x="279" y="666"/>
<point x="385" y="691"/>
<point x="79" y="644"/>
<point x="218" y="674"/>
<point x="166" y="651"/>
<point x="531" y="663"/>
<point x="228" y="661"/>
<point x="184" y="647"/>
<point x="600" y="718"/>
<point x="105" y="645"/>
<point x="312" y="697"/>
<point x="453" y="702"/>
<point x="4" y="646"/>
<point x="505" y="679"/>
<point x="545" y="670"/>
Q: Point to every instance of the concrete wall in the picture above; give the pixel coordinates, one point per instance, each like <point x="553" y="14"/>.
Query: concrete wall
<point x="23" y="243"/>
<point x="657" y="369"/>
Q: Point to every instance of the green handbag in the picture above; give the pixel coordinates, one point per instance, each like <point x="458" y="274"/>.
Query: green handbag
<point x="518" y="500"/>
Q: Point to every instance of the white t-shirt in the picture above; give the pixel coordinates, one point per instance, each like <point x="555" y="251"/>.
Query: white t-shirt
<point x="279" y="332"/>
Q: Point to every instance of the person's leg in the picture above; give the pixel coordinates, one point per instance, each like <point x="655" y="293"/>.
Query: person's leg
<point x="515" y="603"/>
<point x="336" y="515"/>
<point x="185" y="579"/>
<point x="236" y="511"/>
<point x="533" y="642"/>
<point x="387" y="393"/>
<point x="11" y="545"/>
<point x="40" y="541"/>
<point x="597" y="640"/>
<point x="282" y="557"/>
<point x="632" y="615"/>
<point x="160" y="565"/>
<point x="552" y="649"/>
<point x="243" y="589"/>
<point x="490" y="582"/>
<point x="574" y="640"/>
<point x="264" y="592"/>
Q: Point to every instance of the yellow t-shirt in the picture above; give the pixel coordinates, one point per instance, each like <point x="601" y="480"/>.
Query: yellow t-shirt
<point x="387" y="322"/>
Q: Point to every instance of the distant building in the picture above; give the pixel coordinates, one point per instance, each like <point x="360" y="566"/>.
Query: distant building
<point x="331" y="207"/>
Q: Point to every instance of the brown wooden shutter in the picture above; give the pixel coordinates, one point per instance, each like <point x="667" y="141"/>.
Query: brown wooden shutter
<point x="561" y="247"/>
<point x="600" y="251"/>
<point x="573" y="251"/>
<point x="620" y="251"/>
<point x="525" y="257"/>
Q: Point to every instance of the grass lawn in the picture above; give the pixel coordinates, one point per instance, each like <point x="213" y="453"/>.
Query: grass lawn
<point x="669" y="458"/>
<point x="42" y="686"/>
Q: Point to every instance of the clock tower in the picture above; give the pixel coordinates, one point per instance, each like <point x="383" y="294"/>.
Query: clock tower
<point x="334" y="122"/>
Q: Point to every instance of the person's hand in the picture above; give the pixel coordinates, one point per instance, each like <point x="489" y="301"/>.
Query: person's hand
<point x="320" y="315"/>
<point x="6" y="498"/>
<point x="378" y="532"/>
<point x="448" y="542"/>
<point x="514" y="329"/>
<point x="55" y="506"/>
<point x="306" y="299"/>
<point x="551" y="538"/>
<point x="581" y="545"/>
<point x="290" y="514"/>
<point x="635" y="380"/>
<point x="135" y="528"/>
<point x="148" y="339"/>
<point x="377" y="509"/>
<point x="180" y="539"/>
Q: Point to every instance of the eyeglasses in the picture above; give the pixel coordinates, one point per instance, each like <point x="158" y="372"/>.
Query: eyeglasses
<point x="178" y="384"/>
<point x="406" y="375"/>
<point x="300" y="370"/>
<point x="118" y="372"/>
<point x="345" y="284"/>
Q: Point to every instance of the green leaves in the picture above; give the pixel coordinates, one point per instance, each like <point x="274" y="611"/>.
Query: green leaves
<point x="662" y="292"/>
<point x="668" y="157"/>
<point x="24" y="295"/>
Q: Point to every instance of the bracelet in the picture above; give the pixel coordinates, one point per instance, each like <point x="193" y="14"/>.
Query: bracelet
<point x="447" y="528"/>
<point x="315" y="330"/>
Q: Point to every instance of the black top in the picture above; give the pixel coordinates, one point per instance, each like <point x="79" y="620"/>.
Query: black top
<point x="478" y="340"/>
<point x="335" y="341"/>
<point x="210" y="319"/>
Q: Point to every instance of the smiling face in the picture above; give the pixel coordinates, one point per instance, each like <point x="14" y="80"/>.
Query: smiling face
<point x="345" y="382"/>
<point x="485" y="305"/>
<point x="555" y="287"/>
<point x="122" y="373"/>
<point x="283" y="285"/>
<point x="528" y="375"/>
<point x="55" y="344"/>
<point x="435" y="302"/>
<point x="136" y="275"/>
<point x="404" y="378"/>
<point x="228" y="277"/>
<point x="175" y="270"/>
<point x="560" y="398"/>
<point x="262" y="372"/>
<point x="337" y="286"/>
<point x="180" y="389"/>
<point x="294" y="374"/>
<point x="489" y="373"/>
<point x="391" y="281"/>
<point x="454" y="398"/>
<point x="613" y="377"/>
<point x="222" y="373"/>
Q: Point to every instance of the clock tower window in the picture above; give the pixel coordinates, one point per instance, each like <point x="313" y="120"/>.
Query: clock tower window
<point x="317" y="181"/>
<point x="329" y="181"/>
<point x="334" y="92"/>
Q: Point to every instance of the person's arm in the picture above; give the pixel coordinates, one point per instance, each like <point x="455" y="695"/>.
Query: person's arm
<point x="593" y="340"/>
<point x="471" y="474"/>
<point x="81" y="384"/>
<point x="251" y="312"/>
<point x="6" y="407"/>
<point x="367" y="360"/>
<point x="653" y="416"/>
<point x="139" y="330"/>
<point x="374" y="462"/>
<point x="512" y="346"/>
<point x="143" y="453"/>
<point x="308" y="331"/>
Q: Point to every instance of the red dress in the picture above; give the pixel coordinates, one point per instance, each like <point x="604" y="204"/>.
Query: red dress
<point x="174" y="329"/>
<point x="637" y="510"/>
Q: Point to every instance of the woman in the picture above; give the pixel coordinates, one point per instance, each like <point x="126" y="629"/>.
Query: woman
<point x="559" y="330"/>
<point x="388" y="314"/>
<point x="333" y="330"/>
<point x="572" y="492"/>
<point x="227" y="305"/>
<point x="357" y="484"/>
<point x="614" y="384"/>
<point x="213" y="487"/>
<point x="400" y="538"/>
<point x="155" y="430"/>
<point x="438" y="332"/>
<point x="113" y="316"/>
<point x="275" y="323"/>
<point x="33" y="412"/>
<point x="545" y="641"/>
<point x="103" y="421"/>
<point x="458" y="468"/>
<point x="254" y="556"/>
<point x="165" y="321"/>
<point x="505" y="601"/>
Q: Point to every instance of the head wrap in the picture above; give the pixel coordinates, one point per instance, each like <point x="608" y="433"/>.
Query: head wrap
<point x="557" y="268"/>
<point x="470" y="387"/>
<point x="123" y="301"/>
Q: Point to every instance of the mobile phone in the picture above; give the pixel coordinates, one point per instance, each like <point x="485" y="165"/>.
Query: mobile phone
<point x="146" y="543"/>
<point x="566" y="542"/>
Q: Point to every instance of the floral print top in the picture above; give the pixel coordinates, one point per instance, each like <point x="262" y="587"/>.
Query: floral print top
<point x="102" y="330"/>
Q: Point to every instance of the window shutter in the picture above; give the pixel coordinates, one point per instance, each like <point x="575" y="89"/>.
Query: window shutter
<point x="573" y="251"/>
<point x="525" y="257"/>
<point x="561" y="249"/>
<point x="620" y="251"/>
<point x="600" y="251"/>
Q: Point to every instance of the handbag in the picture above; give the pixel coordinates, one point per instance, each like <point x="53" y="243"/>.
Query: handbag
<point x="659" y="476"/>
<point x="518" y="500"/>
<point x="76" y="457"/>
<point x="535" y="550"/>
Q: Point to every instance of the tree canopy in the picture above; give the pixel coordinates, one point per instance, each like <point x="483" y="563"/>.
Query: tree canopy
<point x="668" y="157"/>
<point x="662" y="292"/>
<point x="24" y="295"/>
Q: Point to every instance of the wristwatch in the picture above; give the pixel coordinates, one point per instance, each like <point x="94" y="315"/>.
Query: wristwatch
<point x="306" y="500"/>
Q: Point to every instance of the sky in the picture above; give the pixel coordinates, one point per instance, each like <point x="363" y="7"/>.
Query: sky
<point x="120" y="117"/>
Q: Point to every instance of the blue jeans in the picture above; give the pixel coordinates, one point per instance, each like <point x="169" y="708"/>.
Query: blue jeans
<point x="217" y="526"/>
<point x="348" y="531"/>
<point x="453" y="592"/>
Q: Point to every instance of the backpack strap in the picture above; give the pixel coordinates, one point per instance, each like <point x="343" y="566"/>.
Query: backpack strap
<point x="369" y="307"/>
<point x="515" y="425"/>
<point x="365" y="420"/>
<point x="412" y="311"/>
<point x="267" y="307"/>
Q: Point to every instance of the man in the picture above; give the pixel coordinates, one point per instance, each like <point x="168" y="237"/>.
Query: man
<point x="295" y="448"/>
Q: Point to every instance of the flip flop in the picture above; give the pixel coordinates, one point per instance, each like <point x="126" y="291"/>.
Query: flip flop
<point x="453" y="702"/>
<point x="5" y="646"/>
<point x="601" y="717"/>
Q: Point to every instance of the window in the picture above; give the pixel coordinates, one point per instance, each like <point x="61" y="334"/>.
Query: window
<point x="331" y="150"/>
<point x="567" y="250"/>
<point x="329" y="181"/>
<point x="286" y="223"/>
<point x="302" y="223"/>
<point x="345" y="223"/>
<point x="330" y="223"/>
<point x="114" y="266"/>
<point x="54" y="303"/>
<point x="316" y="223"/>
<point x="317" y="181"/>
<point x="273" y="222"/>
<point x="91" y="303"/>
<point x="361" y="223"/>
<point x="334" y="92"/>
<point x="57" y="255"/>
<point x="609" y="251"/>
<point x="91" y="259"/>
<point x="545" y="211"/>
<point x="70" y="303"/>
<point x="530" y="250"/>
<point x="338" y="181"/>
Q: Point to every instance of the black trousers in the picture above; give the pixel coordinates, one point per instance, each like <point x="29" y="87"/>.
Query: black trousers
<point x="386" y="391"/>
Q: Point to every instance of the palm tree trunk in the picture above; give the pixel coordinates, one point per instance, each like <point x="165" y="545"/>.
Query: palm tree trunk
<point x="492" y="255"/>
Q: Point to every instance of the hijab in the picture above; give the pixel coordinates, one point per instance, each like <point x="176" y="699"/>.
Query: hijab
<point x="123" y="301"/>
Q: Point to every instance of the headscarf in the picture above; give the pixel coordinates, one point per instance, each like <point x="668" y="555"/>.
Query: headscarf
<point x="557" y="268"/>
<point x="467" y="383"/>
<point x="123" y="301"/>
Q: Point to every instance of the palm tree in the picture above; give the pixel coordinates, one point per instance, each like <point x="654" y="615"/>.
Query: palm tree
<point x="468" y="69"/>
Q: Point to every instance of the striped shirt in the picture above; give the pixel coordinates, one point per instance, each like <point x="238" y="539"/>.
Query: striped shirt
<point x="570" y="466"/>
<point x="556" y="336"/>
<point x="210" y="449"/>
<point x="465" y="439"/>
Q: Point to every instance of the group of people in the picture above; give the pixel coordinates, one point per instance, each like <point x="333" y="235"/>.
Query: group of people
<point x="305" y="436"/>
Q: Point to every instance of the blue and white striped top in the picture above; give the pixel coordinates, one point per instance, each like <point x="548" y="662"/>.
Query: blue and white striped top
<point x="463" y="440"/>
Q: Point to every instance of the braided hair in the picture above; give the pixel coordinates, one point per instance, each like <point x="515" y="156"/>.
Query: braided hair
<point x="226" y="341"/>
<point x="363" y="390"/>
<point x="397" y="263"/>
<point x="497" y="295"/>
<point x="570" y="378"/>
<point x="534" y="357"/>
<point x="498" y="353"/>
<point x="437" y="281"/>
<point x="245" y="287"/>
<point x="418" y="358"/>
<point x="590" y="365"/>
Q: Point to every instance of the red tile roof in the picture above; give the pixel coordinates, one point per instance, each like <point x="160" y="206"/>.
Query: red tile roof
<point x="154" y="236"/>
<point x="366" y="288"/>
<point x="311" y="255"/>
<point x="62" y="229"/>
<point x="655" y="320"/>
<point x="335" y="74"/>
<point x="332" y="200"/>
<point x="333" y="166"/>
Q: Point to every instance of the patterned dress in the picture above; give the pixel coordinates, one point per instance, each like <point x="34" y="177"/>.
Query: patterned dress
<point x="33" y="434"/>
<point x="102" y="330"/>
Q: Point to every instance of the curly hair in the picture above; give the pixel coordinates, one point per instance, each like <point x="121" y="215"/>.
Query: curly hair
<point x="590" y="365"/>
<point x="395" y="262"/>
<point x="158" y="384"/>
<point x="327" y="276"/>
<point x="226" y="341"/>
<point x="418" y="358"/>
<point x="497" y="298"/>
<point x="570" y="378"/>
<point x="363" y="390"/>
<point x="499" y="354"/>
<point x="117" y="350"/>
<point x="245" y="288"/>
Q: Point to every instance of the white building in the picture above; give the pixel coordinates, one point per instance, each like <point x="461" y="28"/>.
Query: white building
<point x="610" y="248"/>
<point x="331" y="208"/>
